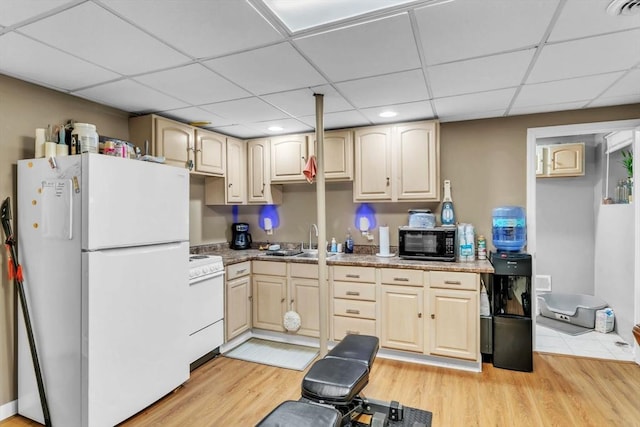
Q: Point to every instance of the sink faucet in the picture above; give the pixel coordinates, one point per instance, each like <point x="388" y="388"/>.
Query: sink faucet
<point x="312" y="227"/>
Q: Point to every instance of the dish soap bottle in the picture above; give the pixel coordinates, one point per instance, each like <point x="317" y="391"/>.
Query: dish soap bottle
<point x="348" y="244"/>
<point x="447" y="216"/>
<point x="334" y="245"/>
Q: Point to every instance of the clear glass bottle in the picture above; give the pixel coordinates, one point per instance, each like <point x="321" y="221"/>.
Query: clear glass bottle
<point x="630" y="190"/>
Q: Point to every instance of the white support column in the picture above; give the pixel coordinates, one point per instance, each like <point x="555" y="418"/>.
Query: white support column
<point x="322" y="226"/>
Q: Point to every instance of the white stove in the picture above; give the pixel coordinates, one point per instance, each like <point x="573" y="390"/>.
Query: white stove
<point x="205" y="307"/>
<point x="202" y="266"/>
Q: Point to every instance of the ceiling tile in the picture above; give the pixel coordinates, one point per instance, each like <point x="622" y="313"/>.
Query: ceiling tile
<point x="247" y="110"/>
<point x="344" y="119"/>
<point x="474" y="115"/>
<point x="627" y="85"/>
<point x="411" y="111"/>
<point x="584" y="57"/>
<point x="547" y="108"/>
<point x="394" y="88"/>
<point x="302" y="102"/>
<point x="363" y="50"/>
<point x="478" y="75"/>
<point x="238" y="131"/>
<point x="469" y="28"/>
<point x="471" y="104"/>
<point x="130" y="96"/>
<point x="15" y="11"/>
<point x="195" y="114"/>
<point x="200" y="28"/>
<point x="573" y="90"/>
<point x="194" y="84"/>
<point x="98" y="36"/>
<point x="288" y="126"/>
<point x="580" y="18"/>
<point x="48" y="66"/>
<point x="615" y="100"/>
<point x="267" y="70"/>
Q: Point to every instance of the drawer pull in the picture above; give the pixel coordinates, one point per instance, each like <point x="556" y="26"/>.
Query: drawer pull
<point x="452" y="282"/>
<point x="353" y="276"/>
<point x="241" y="271"/>
<point x="352" y="311"/>
<point x="353" y="293"/>
<point x="401" y="279"/>
<point x="353" y="332"/>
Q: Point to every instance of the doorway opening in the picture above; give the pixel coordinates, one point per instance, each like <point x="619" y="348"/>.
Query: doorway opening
<point x="575" y="240"/>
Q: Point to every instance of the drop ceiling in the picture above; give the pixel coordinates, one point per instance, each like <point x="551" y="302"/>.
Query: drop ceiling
<point x="242" y="67"/>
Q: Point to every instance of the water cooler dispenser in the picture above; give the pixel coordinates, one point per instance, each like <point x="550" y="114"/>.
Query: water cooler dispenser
<point x="510" y="299"/>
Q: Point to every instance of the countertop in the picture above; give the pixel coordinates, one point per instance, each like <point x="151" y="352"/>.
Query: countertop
<point x="230" y="256"/>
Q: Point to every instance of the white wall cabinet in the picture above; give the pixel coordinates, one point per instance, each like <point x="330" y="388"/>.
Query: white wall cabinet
<point x="397" y="163"/>
<point x="210" y="152"/>
<point x="238" y="299"/>
<point x="560" y="160"/>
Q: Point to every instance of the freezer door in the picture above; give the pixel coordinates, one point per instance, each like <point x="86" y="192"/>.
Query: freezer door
<point x="134" y="329"/>
<point x="132" y="203"/>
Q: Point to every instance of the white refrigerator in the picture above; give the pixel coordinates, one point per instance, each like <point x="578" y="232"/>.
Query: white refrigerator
<point x="103" y="243"/>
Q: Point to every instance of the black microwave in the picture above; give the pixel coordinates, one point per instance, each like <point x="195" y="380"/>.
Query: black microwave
<point x="429" y="244"/>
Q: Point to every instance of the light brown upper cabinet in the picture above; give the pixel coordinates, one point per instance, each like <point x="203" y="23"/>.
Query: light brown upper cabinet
<point x="560" y="160"/>
<point x="260" y="190"/>
<point x="397" y="163"/>
<point x="288" y="158"/>
<point x="232" y="188"/>
<point x="338" y="154"/>
<point x="199" y="150"/>
<point x="211" y="152"/>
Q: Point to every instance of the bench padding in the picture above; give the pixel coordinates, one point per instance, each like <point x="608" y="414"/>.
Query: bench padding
<point x="362" y="348"/>
<point x="335" y="381"/>
<point x="301" y="414"/>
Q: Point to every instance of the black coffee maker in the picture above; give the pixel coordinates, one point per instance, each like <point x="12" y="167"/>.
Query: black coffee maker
<point x="241" y="238"/>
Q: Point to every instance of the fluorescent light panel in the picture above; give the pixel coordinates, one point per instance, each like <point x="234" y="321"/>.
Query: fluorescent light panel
<point x="305" y="14"/>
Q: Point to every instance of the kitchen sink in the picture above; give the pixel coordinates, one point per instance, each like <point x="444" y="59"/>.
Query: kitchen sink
<point x="312" y="255"/>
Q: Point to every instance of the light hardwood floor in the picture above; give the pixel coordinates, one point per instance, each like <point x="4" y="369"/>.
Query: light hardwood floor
<point x="562" y="391"/>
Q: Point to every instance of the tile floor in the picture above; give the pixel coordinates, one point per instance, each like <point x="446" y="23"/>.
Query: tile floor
<point x="591" y="344"/>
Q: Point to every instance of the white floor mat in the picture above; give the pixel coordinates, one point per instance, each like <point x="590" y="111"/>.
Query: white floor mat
<point x="282" y="355"/>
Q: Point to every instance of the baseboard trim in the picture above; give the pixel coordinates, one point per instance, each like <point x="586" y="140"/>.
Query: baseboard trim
<point x="8" y="410"/>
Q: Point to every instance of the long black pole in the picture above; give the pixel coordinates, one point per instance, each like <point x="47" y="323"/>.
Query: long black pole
<point x="10" y="242"/>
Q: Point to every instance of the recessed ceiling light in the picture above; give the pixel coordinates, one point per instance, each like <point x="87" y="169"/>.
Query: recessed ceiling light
<point x="388" y="114"/>
<point x="275" y="128"/>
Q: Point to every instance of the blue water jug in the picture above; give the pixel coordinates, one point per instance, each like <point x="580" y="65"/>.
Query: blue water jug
<point x="509" y="228"/>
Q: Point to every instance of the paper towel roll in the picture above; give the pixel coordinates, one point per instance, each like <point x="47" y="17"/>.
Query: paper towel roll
<point x="384" y="240"/>
<point x="39" y="151"/>
<point x="50" y="149"/>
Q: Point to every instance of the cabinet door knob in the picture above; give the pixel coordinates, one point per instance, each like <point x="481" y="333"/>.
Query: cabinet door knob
<point x="433" y="316"/>
<point x="387" y="181"/>
<point x="419" y="315"/>
<point x="282" y="300"/>
<point x="230" y="184"/>
<point x="190" y="164"/>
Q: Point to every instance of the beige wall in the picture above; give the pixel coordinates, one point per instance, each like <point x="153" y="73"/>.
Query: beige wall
<point x="484" y="159"/>
<point x="23" y="108"/>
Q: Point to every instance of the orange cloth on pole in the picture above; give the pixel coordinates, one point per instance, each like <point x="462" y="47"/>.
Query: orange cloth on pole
<point x="310" y="169"/>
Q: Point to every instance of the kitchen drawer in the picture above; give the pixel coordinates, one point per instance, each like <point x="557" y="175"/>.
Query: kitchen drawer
<point x="343" y="326"/>
<point x="354" y="274"/>
<point x="357" y="291"/>
<point x="307" y="271"/>
<point x="398" y="276"/>
<point x="455" y="280"/>
<point x="354" y="308"/>
<point x="271" y="268"/>
<point x="238" y="270"/>
<point x="205" y="340"/>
